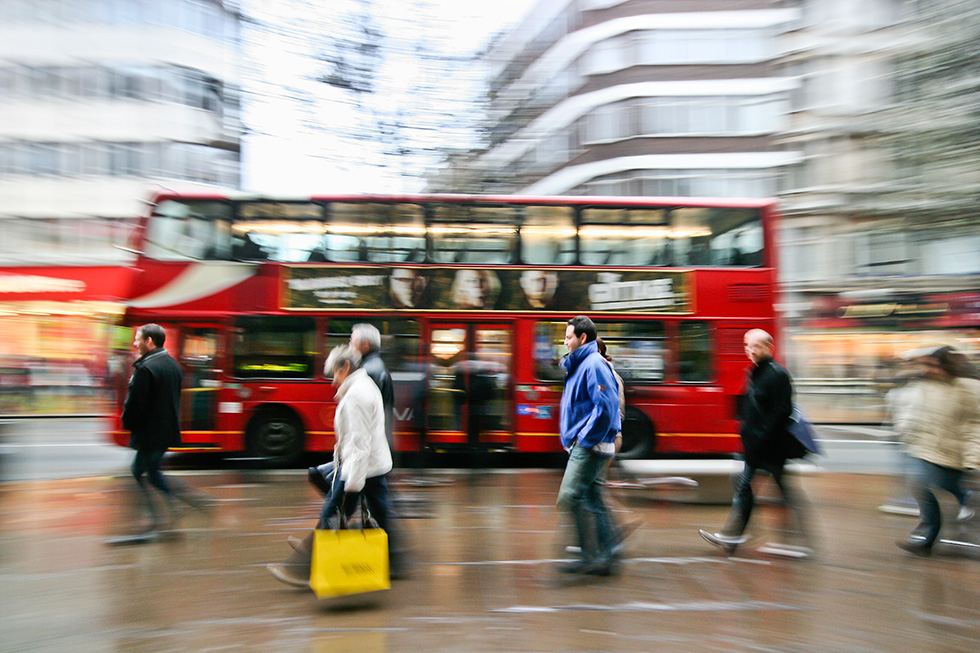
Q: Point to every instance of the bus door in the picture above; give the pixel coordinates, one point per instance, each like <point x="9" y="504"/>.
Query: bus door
<point x="469" y="385"/>
<point x="199" y="397"/>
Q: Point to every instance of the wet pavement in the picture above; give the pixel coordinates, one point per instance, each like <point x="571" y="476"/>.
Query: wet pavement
<point x="486" y="546"/>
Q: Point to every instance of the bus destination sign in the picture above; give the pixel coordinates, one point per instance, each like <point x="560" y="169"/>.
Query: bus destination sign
<point x="495" y="289"/>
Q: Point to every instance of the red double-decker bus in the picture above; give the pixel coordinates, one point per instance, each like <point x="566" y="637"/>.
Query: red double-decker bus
<point x="471" y="295"/>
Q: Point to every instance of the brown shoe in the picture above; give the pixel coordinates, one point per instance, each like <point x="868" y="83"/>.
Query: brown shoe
<point x="299" y="546"/>
<point x="285" y="575"/>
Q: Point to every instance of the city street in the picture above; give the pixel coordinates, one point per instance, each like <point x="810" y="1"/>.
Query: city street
<point x="486" y="546"/>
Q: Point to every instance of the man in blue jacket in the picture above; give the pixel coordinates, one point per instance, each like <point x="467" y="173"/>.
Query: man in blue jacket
<point x="589" y="424"/>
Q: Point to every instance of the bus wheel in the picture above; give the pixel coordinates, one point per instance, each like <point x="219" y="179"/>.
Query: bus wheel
<point x="275" y="436"/>
<point x="639" y="438"/>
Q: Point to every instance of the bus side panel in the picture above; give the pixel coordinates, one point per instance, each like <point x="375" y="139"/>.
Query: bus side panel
<point x="536" y="403"/>
<point x="687" y="419"/>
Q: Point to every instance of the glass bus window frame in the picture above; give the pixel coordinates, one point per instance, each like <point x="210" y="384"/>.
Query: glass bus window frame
<point x="636" y="332"/>
<point x="400" y="338"/>
<point x="561" y="236"/>
<point x="461" y="226"/>
<point x="384" y="232"/>
<point x="201" y="230"/>
<point x="700" y="358"/>
<point x="624" y="235"/>
<point x="637" y="340"/>
<point x="699" y="236"/>
<point x="273" y="325"/>
<point x="549" y="343"/>
<point x="285" y="231"/>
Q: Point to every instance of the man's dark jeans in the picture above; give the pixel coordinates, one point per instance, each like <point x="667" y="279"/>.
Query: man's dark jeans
<point x="744" y="500"/>
<point x="147" y="463"/>
<point x="930" y="475"/>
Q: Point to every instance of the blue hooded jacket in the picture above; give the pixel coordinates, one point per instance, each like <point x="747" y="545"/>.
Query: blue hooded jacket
<point x="590" y="403"/>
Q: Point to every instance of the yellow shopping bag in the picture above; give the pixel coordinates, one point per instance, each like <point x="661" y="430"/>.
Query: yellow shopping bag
<point x="349" y="562"/>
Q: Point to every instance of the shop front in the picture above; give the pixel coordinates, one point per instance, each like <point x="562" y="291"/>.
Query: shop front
<point x="58" y="326"/>
<point x="842" y="348"/>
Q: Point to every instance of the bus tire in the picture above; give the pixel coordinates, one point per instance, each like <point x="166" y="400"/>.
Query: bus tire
<point x="276" y="437"/>
<point x="639" y="436"/>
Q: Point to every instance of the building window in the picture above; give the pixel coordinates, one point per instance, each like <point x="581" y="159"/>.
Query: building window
<point x="883" y="253"/>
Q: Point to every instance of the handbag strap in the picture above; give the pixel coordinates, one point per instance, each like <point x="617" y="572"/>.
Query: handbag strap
<point x="365" y="515"/>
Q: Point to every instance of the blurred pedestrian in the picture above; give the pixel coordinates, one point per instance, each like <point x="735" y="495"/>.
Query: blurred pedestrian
<point x="941" y="428"/>
<point x="764" y="412"/>
<point x="151" y="414"/>
<point x="362" y="458"/>
<point x="365" y="339"/>
<point x="624" y="530"/>
<point x="901" y="502"/>
<point x="589" y="424"/>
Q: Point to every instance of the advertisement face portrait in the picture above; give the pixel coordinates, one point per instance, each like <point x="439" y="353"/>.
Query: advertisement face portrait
<point x="405" y="287"/>
<point x="475" y="289"/>
<point x="539" y="286"/>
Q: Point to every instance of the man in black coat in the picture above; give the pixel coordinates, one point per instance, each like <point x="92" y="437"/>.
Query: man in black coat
<point x="151" y="414"/>
<point x="764" y="412"/>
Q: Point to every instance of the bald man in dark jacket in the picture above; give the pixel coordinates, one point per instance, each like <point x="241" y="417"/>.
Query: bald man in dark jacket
<point x="765" y="413"/>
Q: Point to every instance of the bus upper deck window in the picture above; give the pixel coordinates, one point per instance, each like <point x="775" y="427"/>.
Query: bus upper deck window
<point x="466" y="233"/>
<point x="276" y="231"/>
<point x="716" y="237"/>
<point x="376" y="233"/>
<point x="548" y="235"/>
<point x="623" y="236"/>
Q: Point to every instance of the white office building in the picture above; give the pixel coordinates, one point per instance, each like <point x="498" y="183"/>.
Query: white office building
<point x="101" y="103"/>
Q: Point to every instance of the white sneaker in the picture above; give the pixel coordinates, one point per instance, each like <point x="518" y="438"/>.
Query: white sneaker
<point x="786" y="550"/>
<point x="966" y="513"/>
<point x="727" y="543"/>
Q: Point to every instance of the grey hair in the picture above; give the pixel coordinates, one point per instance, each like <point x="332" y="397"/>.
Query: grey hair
<point x="369" y="333"/>
<point x="340" y="355"/>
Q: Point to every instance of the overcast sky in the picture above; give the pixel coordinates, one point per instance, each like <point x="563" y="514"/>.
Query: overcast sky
<point x="287" y="155"/>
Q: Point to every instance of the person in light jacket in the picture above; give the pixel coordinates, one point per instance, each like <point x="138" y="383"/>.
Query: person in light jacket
<point x="362" y="461"/>
<point x="941" y="429"/>
<point x="361" y="454"/>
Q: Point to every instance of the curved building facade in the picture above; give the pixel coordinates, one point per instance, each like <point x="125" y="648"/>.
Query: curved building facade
<point x="640" y="97"/>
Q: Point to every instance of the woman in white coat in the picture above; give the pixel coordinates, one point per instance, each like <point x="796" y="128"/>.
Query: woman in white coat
<point x="361" y="453"/>
<point x="362" y="459"/>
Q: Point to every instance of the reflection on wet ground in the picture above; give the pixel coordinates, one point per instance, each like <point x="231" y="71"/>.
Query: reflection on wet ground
<point x="485" y="577"/>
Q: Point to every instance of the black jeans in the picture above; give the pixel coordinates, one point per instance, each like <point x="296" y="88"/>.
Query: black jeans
<point x="148" y="461"/>
<point x="744" y="500"/>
